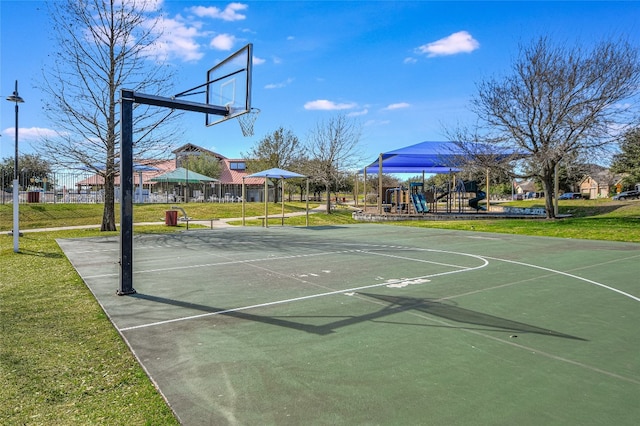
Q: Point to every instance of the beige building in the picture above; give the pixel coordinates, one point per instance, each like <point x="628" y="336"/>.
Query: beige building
<point x="601" y="184"/>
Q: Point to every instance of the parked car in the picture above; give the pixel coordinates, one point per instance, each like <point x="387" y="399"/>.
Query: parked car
<point x="627" y="195"/>
<point x="570" y="196"/>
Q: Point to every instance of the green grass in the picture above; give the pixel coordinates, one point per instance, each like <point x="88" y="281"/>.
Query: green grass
<point x="55" y="215"/>
<point x="590" y="219"/>
<point x="62" y="362"/>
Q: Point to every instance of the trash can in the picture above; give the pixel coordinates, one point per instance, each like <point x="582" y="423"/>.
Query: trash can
<point x="33" y="197"/>
<point x="171" y="217"/>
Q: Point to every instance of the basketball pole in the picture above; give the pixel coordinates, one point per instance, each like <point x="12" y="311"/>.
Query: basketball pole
<point x="127" y="99"/>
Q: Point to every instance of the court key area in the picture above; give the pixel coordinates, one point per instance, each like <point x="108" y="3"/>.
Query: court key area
<point x="378" y="325"/>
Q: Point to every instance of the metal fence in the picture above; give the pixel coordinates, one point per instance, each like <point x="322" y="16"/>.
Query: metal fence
<point x="55" y="187"/>
<point x="86" y="187"/>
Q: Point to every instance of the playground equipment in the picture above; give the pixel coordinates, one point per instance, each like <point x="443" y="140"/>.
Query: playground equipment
<point x="480" y="195"/>
<point x="418" y="198"/>
<point x="463" y="188"/>
<point x="395" y="200"/>
<point x="402" y="200"/>
<point x="456" y="195"/>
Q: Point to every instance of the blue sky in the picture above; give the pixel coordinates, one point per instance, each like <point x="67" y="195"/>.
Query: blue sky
<point x="402" y="69"/>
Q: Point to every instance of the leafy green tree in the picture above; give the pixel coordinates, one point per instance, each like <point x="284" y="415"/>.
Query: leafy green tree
<point x="628" y="160"/>
<point x="281" y="149"/>
<point x="207" y="165"/>
<point x="30" y="166"/>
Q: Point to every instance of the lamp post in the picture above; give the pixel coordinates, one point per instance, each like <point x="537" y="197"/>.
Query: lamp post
<point x="16" y="187"/>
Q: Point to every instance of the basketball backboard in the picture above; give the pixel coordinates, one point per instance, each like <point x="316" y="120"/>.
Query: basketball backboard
<point x="229" y="85"/>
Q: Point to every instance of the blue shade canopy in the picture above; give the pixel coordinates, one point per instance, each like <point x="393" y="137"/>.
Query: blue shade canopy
<point x="182" y="175"/>
<point x="276" y="173"/>
<point x="427" y="157"/>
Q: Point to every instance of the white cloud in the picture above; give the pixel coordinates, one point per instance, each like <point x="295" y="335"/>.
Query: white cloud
<point x="399" y="105"/>
<point x="460" y="42"/>
<point x="178" y="40"/>
<point x="325" y="105"/>
<point x="358" y="113"/>
<point x="258" y="61"/>
<point x="229" y="13"/>
<point x="29" y="133"/>
<point x="372" y="123"/>
<point x="409" y="60"/>
<point x="279" y="85"/>
<point x="222" y="42"/>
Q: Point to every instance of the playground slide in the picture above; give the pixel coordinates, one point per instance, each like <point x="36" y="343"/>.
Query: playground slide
<point x="473" y="202"/>
<point x="425" y="208"/>
<point x="416" y="203"/>
<point x="419" y="203"/>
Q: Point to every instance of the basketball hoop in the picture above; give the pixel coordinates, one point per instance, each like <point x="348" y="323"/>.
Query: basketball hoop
<point x="246" y="121"/>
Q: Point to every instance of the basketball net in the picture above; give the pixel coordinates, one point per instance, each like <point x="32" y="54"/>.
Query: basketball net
<point x="246" y="121"/>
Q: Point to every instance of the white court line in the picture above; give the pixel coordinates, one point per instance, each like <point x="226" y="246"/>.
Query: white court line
<point x="230" y="262"/>
<point x="417" y="260"/>
<point x="484" y="263"/>
<point x="354" y="289"/>
<point x="631" y="296"/>
<point x="527" y="348"/>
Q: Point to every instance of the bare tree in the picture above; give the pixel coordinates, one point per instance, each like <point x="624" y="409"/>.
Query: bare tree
<point x="333" y="149"/>
<point x="559" y="104"/>
<point x="103" y="46"/>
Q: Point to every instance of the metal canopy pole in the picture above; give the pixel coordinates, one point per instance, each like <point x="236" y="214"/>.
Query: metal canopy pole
<point x="127" y="99"/>
<point x="307" y="197"/>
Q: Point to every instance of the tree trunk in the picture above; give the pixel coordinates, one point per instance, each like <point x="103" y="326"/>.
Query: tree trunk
<point x="548" y="185"/>
<point x="108" y="214"/>
<point x="328" y="199"/>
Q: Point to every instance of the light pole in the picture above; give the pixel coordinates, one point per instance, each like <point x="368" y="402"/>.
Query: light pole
<point x="16" y="187"/>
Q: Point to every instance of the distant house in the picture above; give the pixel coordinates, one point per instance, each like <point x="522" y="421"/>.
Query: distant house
<point x="190" y="149"/>
<point x="525" y="188"/>
<point x="231" y="173"/>
<point x="93" y="186"/>
<point x="231" y="178"/>
<point x="600" y="184"/>
<point x="229" y="187"/>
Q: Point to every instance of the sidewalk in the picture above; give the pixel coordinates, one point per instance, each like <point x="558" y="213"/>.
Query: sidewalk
<point x="220" y="223"/>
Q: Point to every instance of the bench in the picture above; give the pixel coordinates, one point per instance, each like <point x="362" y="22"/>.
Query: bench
<point x="187" y="219"/>
<point x="282" y="218"/>
<point x="184" y="213"/>
<point x="211" y="220"/>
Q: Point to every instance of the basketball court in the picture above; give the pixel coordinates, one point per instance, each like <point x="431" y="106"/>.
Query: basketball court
<point x="375" y="324"/>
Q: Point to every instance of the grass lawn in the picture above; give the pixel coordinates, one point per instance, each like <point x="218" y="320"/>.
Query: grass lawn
<point x="55" y="215"/>
<point x="590" y="219"/>
<point x="61" y="361"/>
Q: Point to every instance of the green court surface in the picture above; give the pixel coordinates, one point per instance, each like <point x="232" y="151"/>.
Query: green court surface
<point x="378" y="325"/>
